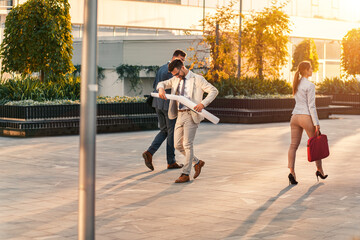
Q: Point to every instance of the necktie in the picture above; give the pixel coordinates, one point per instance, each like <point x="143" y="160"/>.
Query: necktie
<point x="182" y="92"/>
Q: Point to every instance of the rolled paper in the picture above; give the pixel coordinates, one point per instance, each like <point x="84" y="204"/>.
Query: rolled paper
<point x="187" y="102"/>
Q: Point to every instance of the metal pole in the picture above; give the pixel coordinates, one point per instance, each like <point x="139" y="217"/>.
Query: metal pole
<point x="86" y="228"/>
<point x="239" y="50"/>
<point x="203" y="17"/>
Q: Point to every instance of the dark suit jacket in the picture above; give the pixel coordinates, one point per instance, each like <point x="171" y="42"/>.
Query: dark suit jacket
<point x="162" y="75"/>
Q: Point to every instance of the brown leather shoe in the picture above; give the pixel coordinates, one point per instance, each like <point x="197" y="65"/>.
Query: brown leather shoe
<point x="183" y="178"/>
<point x="148" y="160"/>
<point x="198" y="167"/>
<point x="175" y="165"/>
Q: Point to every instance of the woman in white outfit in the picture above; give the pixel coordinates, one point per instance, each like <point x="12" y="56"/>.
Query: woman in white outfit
<point x="304" y="117"/>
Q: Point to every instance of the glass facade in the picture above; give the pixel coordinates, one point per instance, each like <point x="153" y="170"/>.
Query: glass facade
<point x="6" y="3"/>
<point x="346" y="10"/>
<point x="333" y="49"/>
<point x="329" y="52"/>
<point x="195" y="3"/>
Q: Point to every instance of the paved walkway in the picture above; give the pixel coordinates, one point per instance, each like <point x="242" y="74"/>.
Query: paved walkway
<point x="242" y="193"/>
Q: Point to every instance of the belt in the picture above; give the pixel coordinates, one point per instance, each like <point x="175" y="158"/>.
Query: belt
<point x="185" y="110"/>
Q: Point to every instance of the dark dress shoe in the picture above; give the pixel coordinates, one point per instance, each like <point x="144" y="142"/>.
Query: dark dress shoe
<point x="198" y="167"/>
<point x="148" y="160"/>
<point x="174" y="165"/>
<point x="183" y="178"/>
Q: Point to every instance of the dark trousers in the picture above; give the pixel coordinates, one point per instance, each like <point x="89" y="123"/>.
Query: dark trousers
<point x="166" y="132"/>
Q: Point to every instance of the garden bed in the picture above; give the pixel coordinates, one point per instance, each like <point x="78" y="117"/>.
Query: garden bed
<point x="46" y="120"/>
<point x="28" y="121"/>
<point x="264" y="110"/>
<point x="71" y="111"/>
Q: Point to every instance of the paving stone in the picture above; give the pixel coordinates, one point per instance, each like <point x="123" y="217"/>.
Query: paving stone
<point x="242" y="192"/>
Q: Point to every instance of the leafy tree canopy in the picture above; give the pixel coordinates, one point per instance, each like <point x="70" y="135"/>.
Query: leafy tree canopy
<point x="37" y="38"/>
<point x="265" y="38"/>
<point x="306" y="51"/>
<point x="350" y="57"/>
<point x="221" y="37"/>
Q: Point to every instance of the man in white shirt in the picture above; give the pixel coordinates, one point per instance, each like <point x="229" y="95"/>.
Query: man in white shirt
<point x="192" y="86"/>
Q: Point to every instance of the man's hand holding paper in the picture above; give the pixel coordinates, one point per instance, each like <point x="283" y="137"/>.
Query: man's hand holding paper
<point x="199" y="107"/>
<point x="162" y="94"/>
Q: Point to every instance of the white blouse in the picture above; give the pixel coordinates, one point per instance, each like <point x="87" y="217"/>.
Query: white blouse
<point x="305" y="100"/>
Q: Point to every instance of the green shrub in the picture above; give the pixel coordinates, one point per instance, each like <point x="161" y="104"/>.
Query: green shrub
<point x="30" y="91"/>
<point x="100" y="100"/>
<point x="31" y="88"/>
<point x="249" y="86"/>
<point x="337" y="86"/>
<point x="20" y="89"/>
<point x="100" y="72"/>
<point x="306" y="51"/>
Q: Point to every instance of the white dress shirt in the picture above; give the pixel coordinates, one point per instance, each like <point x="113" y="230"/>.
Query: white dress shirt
<point x="186" y="89"/>
<point x="305" y="100"/>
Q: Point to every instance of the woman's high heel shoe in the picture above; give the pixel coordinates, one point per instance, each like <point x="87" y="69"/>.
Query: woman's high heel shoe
<point x="292" y="179"/>
<point x="318" y="174"/>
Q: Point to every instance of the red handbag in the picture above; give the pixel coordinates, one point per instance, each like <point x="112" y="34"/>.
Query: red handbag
<point x="317" y="147"/>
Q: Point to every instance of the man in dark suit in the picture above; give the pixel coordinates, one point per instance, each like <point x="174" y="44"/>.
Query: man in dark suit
<point x="166" y="125"/>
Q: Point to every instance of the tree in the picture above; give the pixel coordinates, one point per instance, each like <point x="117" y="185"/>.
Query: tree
<point x="306" y="51"/>
<point x="37" y="38"/>
<point x="221" y="38"/>
<point x="264" y="41"/>
<point x="350" y="58"/>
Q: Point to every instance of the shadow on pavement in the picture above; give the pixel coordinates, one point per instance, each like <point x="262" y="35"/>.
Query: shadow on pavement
<point x="252" y="219"/>
<point x="112" y="215"/>
<point x="286" y="217"/>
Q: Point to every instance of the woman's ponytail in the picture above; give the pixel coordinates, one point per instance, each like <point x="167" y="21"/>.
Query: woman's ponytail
<point x="303" y="66"/>
<point x="296" y="81"/>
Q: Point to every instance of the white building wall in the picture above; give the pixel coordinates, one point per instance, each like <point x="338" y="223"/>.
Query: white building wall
<point x="145" y="51"/>
<point x="321" y="28"/>
<point x="111" y="86"/>
<point x="310" y="20"/>
<point x="144" y="14"/>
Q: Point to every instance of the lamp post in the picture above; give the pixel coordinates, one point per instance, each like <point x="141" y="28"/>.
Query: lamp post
<point x="86" y="227"/>
<point x="203" y="17"/>
<point x="239" y="49"/>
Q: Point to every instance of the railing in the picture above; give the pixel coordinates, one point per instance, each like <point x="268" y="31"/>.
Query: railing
<point x="121" y="30"/>
<point x="6" y="4"/>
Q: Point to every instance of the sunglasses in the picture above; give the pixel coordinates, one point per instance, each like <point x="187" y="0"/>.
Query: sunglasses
<point x="177" y="74"/>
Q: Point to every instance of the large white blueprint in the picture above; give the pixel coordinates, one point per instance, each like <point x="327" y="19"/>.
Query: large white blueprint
<point x="187" y="102"/>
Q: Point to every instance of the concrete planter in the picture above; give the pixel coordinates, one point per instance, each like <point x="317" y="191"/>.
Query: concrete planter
<point x="262" y="110"/>
<point x="352" y="101"/>
<point x="28" y="121"/>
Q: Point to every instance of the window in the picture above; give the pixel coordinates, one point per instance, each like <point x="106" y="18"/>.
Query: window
<point x="76" y="31"/>
<point x="6" y="3"/>
<point x="333" y="50"/>
<point x="332" y="69"/>
<point x="320" y="48"/>
<point x="335" y="4"/>
<point x="161" y="1"/>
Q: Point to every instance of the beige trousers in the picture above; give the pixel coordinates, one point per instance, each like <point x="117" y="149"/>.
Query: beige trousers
<point x="298" y="123"/>
<point x="184" y="135"/>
